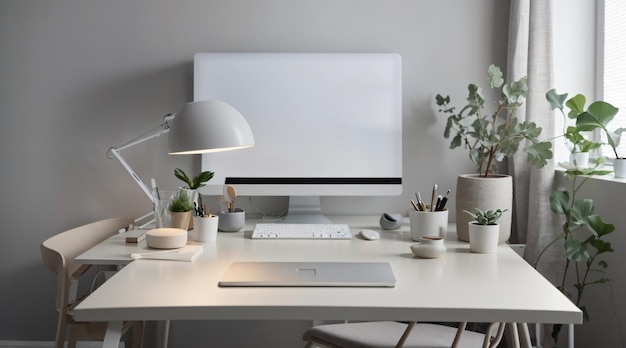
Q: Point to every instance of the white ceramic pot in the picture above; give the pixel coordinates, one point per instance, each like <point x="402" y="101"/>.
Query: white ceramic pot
<point x="483" y="239"/>
<point x="619" y="167"/>
<point x="429" y="248"/>
<point x="579" y="159"/>
<point x="428" y="224"/>
<point x="490" y="193"/>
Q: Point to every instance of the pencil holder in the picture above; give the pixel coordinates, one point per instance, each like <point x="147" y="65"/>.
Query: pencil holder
<point x="428" y="224"/>
<point x="205" y="228"/>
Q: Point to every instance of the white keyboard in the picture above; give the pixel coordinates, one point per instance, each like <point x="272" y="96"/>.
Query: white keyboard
<point x="302" y="231"/>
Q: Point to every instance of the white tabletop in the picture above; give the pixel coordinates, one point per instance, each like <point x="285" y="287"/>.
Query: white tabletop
<point x="461" y="286"/>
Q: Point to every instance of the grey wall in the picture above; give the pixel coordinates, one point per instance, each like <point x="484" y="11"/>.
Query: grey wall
<point x="77" y="77"/>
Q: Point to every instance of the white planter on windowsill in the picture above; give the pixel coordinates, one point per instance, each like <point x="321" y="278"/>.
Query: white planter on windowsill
<point x="579" y="159"/>
<point x="619" y="167"/>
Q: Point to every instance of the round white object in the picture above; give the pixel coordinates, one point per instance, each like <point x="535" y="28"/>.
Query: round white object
<point x="166" y="238"/>
<point x="429" y="247"/>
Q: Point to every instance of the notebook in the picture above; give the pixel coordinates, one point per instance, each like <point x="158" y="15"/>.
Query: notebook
<point x="307" y="274"/>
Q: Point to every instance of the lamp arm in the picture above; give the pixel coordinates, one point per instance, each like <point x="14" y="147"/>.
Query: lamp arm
<point x="114" y="152"/>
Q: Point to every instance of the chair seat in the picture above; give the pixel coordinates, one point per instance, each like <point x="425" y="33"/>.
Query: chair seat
<point x="385" y="334"/>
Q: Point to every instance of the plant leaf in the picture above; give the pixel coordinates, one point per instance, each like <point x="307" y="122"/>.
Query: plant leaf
<point x="556" y="100"/>
<point x="598" y="226"/>
<point x="495" y="76"/>
<point x="576" y="105"/>
<point x="576" y="251"/>
<point x="539" y="153"/>
<point x="580" y="212"/>
<point x="559" y="201"/>
<point x="598" y="115"/>
<point x="180" y="174"/>
<point x="601" y="246"/>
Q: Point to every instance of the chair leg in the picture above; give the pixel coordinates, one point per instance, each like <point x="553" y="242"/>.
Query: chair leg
<point x="406" y="334"/>
<point x="459" y="333"/>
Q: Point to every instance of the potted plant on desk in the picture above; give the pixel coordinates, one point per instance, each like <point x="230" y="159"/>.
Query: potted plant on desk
<point x="180" y="207"/>
<point x="490" y="138"/>
<point x="192" y="185"/>
<point x="484" y="230"/>
<point x="583" y="231"/>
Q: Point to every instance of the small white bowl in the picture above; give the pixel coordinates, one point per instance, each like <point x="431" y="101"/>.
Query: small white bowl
<point x="429" y="248"/>
<point x="166" y="238"/>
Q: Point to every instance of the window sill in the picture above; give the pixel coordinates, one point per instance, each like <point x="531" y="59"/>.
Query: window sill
<point x="609" y="177"/>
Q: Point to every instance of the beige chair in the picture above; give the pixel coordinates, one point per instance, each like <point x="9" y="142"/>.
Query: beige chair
<point x="58" y="253"/>
<point x="390" y="334"/>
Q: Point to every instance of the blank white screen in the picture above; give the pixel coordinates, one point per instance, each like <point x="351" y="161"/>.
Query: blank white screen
<point x="312" y="116"/>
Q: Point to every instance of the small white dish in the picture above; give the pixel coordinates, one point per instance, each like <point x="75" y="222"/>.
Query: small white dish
<point x="429" y="248"/>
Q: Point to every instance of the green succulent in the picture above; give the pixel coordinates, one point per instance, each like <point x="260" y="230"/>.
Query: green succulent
<point x="488" y="217"/>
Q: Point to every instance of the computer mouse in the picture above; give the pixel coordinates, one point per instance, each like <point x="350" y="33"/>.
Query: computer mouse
<point x="369" y="234"/>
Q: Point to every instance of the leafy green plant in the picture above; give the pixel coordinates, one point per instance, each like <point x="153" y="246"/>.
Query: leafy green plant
<point x="180" y="203"/>
<point x="488" y="217"/>
<point x="597" y="116"/>
<point x="197" y="181"/>
<point x="583" y="231"/>
<point x="492" y="138"/>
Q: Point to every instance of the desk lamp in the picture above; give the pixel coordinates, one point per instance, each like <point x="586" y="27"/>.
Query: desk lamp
<point x="199" y="127"/>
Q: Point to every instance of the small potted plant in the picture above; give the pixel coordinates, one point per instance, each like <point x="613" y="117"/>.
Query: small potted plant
<point x="180" y="207"/>
<point x="597" y="116"/>
<point x="484" y="230"/>
<point x="192" y="185"/>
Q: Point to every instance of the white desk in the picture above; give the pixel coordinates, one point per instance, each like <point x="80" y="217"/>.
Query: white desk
<point x="461" y="286"/>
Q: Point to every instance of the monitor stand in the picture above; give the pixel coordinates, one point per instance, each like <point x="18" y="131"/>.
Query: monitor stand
<point x="305" y="210"/>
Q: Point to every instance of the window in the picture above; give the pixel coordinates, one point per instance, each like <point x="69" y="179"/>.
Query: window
<point x="612" y="64"/>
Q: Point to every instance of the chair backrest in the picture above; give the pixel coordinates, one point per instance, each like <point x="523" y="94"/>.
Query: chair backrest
<point x="58" y="252"/>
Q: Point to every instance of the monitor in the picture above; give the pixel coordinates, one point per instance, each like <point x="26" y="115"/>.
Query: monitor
<point x="325" y="124"/>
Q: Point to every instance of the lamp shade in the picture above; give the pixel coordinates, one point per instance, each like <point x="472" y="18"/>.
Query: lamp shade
<point x="208" y="126"/>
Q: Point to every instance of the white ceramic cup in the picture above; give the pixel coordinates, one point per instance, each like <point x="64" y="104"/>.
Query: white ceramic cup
<point x="428" y="224"/>
<point x="205" y="228"/>
<point x="483" y="239"/>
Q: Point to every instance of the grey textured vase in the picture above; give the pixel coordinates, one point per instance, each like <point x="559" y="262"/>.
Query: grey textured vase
<point x="485" y="193"/>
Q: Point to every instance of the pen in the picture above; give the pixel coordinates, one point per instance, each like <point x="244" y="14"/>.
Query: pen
<point x="433" y="198"/>
<point x="415" y="206"/>
<point x="444" y="200"/>
<point x="438" y="205"/>
<point x="420" y="202"/>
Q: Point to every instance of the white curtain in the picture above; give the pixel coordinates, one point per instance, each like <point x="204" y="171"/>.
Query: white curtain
<point x="530" y="53"/>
